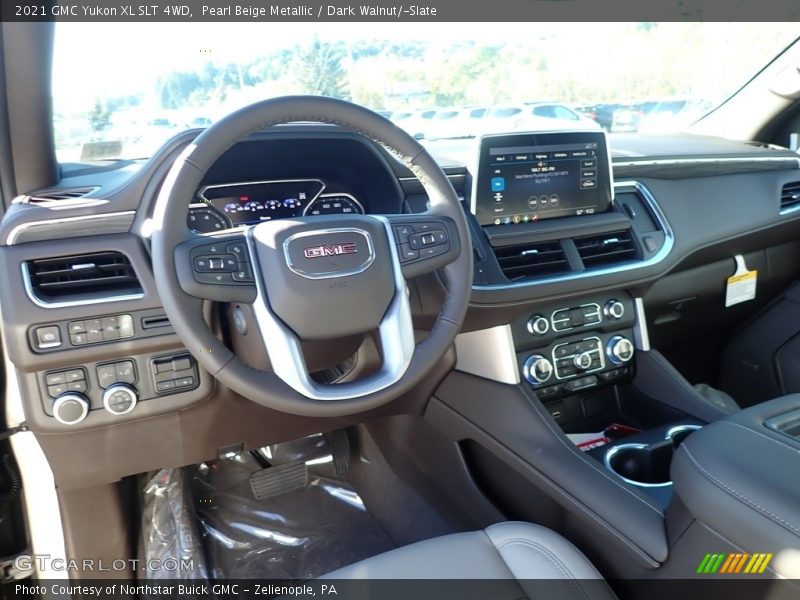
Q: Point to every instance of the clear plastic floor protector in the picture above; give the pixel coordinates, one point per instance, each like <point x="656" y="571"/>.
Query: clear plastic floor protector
<point x="169" y="533"/>
<point x="300" y="534"/>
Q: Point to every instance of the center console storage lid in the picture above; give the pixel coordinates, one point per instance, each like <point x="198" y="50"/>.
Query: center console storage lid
<point x="739" y="476"/>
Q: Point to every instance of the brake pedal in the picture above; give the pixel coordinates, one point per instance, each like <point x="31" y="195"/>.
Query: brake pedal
<point x="339" y="444"/>
<point x="278" y="480"/>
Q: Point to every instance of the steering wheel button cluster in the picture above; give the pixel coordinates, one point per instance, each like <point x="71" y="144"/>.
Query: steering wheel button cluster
<point x="220" y="264"/>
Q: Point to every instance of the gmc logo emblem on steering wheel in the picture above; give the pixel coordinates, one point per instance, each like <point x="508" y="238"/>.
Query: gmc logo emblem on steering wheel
<point x="330" y="250"/>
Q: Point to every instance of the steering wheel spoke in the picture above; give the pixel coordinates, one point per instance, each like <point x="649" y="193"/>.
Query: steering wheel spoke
<point x="425" y="242"/>
<point x="216" y="268"/>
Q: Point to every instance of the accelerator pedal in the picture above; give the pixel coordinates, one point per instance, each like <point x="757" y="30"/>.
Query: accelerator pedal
<point x="339" y="444"/>
<point x="278" y="480"/>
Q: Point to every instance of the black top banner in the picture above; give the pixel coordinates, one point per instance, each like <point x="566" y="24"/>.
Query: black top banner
<point x="425" y="11"/>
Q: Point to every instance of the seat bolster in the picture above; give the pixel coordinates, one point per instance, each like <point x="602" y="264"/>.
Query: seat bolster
<point x="535" y="552"/>
<point x="469" y="555"/>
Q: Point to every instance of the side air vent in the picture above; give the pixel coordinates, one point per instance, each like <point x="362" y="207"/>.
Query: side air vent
<point x="60" y="195"/>
<point x="532" y="260"/>
<point x="790" y="195"/>
<point x="607" y="249"/>
<point x="82" y="278"/>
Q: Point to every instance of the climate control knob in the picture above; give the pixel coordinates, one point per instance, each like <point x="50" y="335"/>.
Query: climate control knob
<point x="582" y="361"/>
<point x="537" y="369"/>
<point x="538" y="325"/>
<point x="70" y="408"/>
<point x="614" y="309"/>
<point x="619" y="350"/>
<point x="120" y="399"/>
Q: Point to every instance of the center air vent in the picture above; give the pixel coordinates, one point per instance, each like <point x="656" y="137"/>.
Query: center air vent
<point x="790" y="195"/>
<point x="532" y="260"/>
<point x="82" y="277"/>
<point x="606" y="249"/>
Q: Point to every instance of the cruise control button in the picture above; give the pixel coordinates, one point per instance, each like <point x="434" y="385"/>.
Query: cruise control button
<point x="225" y="263"/>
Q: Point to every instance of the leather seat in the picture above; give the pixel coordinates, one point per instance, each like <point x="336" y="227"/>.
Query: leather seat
<point x="512" y="551"/>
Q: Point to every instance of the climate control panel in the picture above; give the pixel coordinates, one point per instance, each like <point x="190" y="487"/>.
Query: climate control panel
<point x="563" y="350"/>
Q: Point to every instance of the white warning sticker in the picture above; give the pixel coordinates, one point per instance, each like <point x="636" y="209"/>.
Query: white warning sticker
<point x="741" y="285"/>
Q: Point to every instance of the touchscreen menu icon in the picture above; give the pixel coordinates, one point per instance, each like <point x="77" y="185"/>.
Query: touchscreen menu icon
<point x="498" y="184"/>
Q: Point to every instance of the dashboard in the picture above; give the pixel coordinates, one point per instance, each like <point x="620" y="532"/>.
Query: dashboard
<point x="576" y="280"/>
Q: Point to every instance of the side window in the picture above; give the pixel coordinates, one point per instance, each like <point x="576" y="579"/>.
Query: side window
<point x="544" y="111"/>
<point x="561" y="112"/>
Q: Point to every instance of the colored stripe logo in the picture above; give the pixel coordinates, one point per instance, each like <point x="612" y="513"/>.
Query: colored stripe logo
<point x="738" y="562"/>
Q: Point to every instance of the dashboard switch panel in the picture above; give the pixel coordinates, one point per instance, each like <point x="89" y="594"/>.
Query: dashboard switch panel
<point x="585" y="315"/>
<point x="61" y="382"/>
<point x="174" y="373"/>
<point x="105" y="329"/>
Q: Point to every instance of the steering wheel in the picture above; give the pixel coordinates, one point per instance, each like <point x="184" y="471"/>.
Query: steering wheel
<point x="313" y="278"/>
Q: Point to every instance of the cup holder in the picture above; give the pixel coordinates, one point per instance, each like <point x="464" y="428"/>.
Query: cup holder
<point x="647" y="465"/>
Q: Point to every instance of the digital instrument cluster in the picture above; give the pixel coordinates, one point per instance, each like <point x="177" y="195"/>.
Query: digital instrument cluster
<point x="227" y="206"/>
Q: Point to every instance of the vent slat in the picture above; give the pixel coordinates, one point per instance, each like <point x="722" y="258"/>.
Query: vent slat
<point x="85" y="274"/>
<point x="606" y="249"/>
<point x="790" y="195"/>
<point x="56" y="195"/>
<point x="530" y="260"/>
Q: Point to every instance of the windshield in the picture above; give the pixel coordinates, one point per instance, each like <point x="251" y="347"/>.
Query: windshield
<point x="121" y="90"/>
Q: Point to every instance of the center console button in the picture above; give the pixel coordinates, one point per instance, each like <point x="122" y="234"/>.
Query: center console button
<point x="583" y="361"/>
<point x="48" y="337"/>
<point x="614" y="309"/>
<point x="537" y="369"/>
<point x="538" y="325"/>
<point x="120" y="399"/>
<point x="70" y="408"/>
<point x="106" y="375"/>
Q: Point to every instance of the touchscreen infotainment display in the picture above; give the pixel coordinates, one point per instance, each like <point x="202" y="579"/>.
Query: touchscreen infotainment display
<point x="533" y="176"/>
